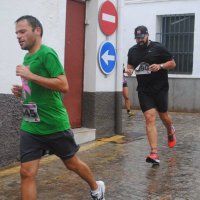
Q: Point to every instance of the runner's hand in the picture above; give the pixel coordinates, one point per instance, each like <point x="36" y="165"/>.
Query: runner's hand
<point x="17" y="90"/>
<point x="154" y="67"/>
<point x="24" y="72"/>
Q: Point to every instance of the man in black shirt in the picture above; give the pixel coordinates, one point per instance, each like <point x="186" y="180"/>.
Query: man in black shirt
<point x="151" y="62"/>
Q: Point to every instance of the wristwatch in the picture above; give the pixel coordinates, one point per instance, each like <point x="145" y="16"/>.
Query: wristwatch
<point x="161" y="66"/>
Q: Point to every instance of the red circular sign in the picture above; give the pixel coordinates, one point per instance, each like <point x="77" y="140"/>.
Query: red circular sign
<point x="108" y="18"/>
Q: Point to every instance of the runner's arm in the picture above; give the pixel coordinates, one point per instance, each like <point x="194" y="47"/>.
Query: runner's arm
<point x="169" y="64"/>
<point x="59" y="83"/>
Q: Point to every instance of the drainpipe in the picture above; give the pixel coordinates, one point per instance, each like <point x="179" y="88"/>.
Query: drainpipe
<point x="119" y="67"/>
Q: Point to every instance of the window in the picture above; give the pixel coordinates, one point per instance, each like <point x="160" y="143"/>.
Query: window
<point x="177" y="34"/>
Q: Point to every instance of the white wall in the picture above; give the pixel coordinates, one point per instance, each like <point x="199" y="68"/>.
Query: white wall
<point x="51" y="13"/>
<point x="141" y="13"/>
<point x="94" y="79"/>
<point x="105" y="83"/>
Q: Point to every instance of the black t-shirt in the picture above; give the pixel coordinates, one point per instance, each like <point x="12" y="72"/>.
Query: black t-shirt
<point x="140" y="59"/>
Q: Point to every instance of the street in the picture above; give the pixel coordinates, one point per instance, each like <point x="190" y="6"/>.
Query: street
<point x="120" y="162"/>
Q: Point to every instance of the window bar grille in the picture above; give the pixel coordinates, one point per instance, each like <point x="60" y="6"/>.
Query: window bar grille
<point x="176" y="33"/>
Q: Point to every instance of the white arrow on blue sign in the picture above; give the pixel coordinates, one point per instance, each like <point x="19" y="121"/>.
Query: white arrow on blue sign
<point x="107" y="57"/>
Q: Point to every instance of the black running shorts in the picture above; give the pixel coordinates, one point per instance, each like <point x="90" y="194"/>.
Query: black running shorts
<point x="125" y="84"/>
<point x="158" y="101"/>
<point x="33" y="147"/>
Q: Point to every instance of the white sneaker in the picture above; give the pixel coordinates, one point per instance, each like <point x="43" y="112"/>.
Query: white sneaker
<point x="101" y="191"/>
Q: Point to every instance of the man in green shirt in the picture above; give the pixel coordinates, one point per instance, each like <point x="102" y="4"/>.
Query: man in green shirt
<point x="45" y="125"/>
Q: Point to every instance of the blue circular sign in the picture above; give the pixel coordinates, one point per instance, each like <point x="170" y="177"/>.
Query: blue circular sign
<point x="107" y="57"/>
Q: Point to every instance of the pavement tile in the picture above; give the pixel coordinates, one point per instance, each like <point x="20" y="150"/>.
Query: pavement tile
<point x="120" y="162"/>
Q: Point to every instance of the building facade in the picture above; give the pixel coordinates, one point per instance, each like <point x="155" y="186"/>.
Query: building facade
<point x="175" y="23"/>
<point x="72" y="28"/>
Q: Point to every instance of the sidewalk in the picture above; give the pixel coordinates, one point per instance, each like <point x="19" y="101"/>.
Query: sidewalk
<point x="120" y="162"/>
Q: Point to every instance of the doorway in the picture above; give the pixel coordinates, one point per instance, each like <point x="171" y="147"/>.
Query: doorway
<point x="74" y="59"/>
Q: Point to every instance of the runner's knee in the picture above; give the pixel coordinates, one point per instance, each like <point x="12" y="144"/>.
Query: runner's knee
<point x="72" y="163"/>
<point x="150" y="119"/>
<point x="25" y="173"/>
<point x="126" y="98"/>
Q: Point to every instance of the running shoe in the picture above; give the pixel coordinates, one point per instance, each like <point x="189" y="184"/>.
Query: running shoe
<point x="171" y="138"/>
<point x="101" y="191"/>
<point x="131" y="113"/>
<point x="153" y="158"/>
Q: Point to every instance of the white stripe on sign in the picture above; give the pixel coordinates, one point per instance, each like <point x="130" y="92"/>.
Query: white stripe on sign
<point x="106" y="57"/>
<point x="108" y="18"/>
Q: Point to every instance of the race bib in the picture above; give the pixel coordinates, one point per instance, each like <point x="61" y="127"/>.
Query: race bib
<point x="142" y="68"/>
<point x="30" y="113"/>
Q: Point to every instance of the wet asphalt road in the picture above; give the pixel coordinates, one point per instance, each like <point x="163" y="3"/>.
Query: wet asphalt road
<point x="120" y="162"/>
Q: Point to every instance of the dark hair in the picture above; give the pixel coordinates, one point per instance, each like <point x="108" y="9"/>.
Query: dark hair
<point x="33" y="21"/>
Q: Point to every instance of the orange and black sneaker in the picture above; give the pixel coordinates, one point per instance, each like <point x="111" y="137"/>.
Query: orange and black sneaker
<point x="153" y="158"/>
<point x="171" y="138"/>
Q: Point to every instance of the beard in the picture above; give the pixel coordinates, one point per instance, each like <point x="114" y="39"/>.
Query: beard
<point x="27" y="47"/>
<point x="143" y="44"/>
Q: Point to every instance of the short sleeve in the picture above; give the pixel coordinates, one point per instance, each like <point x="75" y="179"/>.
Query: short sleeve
<point x="129" y="57"/>
<point x="165" y="54"/>
<point x="53" y="65"/>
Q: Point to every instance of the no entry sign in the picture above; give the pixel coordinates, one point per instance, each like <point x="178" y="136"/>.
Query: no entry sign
<point x="108" y="18"/>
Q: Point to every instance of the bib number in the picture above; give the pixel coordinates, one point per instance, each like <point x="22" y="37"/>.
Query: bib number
<point x="142" y="68"/>
<point x="30" y="113"/>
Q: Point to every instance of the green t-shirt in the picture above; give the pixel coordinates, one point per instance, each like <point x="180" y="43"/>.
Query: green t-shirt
<point x="52" y="114"/>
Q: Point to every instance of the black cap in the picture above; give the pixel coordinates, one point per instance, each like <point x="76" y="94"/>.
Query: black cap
<point x="141" y="31"/>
